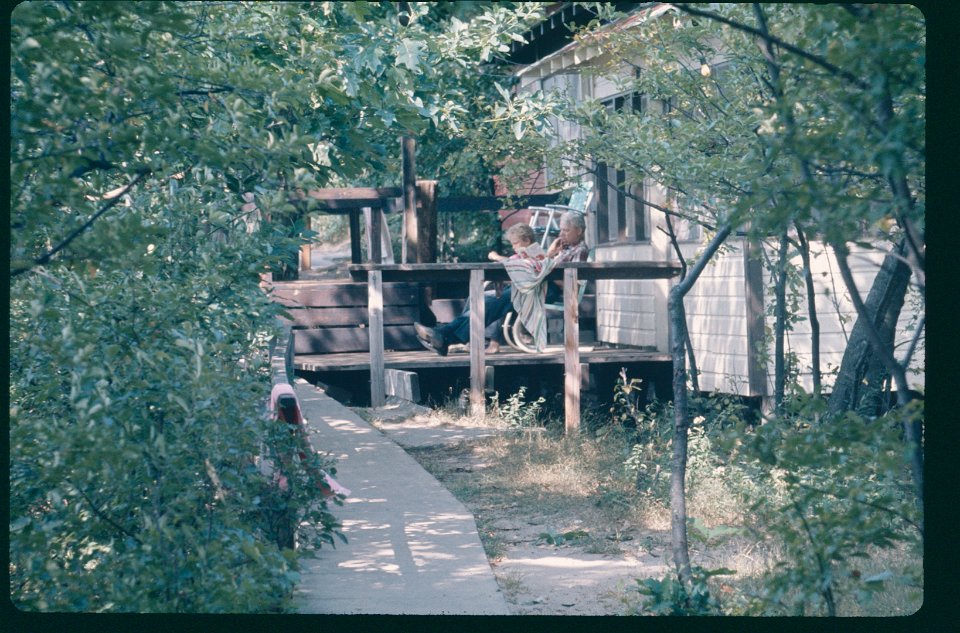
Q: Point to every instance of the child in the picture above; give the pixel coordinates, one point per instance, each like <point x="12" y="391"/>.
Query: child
<point x="521" y="239"/>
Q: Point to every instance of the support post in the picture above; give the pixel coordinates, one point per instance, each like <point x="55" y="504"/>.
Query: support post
<point x="489" y="379"/>
<point x="402" y="384"/>
<point x="375" y="312"/>
<point x="477" y="348"/>
<point x="378" y="236"/>
<point x="411" y="235"/>
<point x="356" y="256"/>
<point x="374" y="253"/>
<point x="427" y="221"/>
<point x="305" y="258"/>
<point x="571" y="352"/>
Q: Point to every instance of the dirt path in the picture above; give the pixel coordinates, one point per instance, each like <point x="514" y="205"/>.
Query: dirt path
<point x="557" y="545"/>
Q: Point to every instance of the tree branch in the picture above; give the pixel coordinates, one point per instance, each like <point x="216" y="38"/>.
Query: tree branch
<point x="103" y="515"/>
<point x="43" y="259"/>
<point x="770" y="39"/>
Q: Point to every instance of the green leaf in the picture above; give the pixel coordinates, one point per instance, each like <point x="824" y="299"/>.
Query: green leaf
<point x="408" y="53"/>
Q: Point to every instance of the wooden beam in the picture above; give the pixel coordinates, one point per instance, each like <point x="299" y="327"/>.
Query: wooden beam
<point x="356" y="255"/>
<point x="422" y="359"/>
<point x="571" y="352"/>
<point x="379" y="246"/>
<point x="450" y="204"/>
<point x="427" y="221"/>
<point x="489" y="379"/>
<point x="402" y="384"/>
<point x="355" y="195"/>
<point x="411" y="234"/>
<point x="477" y="343"/>
<point x="305" y="258"/>
<point x="374" y="253"/>
<point x="375" y="307"/>
<point x="459" y="271"/>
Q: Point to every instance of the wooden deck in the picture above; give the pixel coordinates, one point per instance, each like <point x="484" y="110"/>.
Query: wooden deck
<point x="424" y="359"/>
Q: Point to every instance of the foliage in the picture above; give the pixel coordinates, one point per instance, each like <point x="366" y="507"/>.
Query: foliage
<point x="468" y="237"/>
<point x="557" y="538"/>
<point x="833" y="490"/>
<point x="138" y="332"/>
<point x="670" y="596"/>
<point x="827" y="493"/>
<point x="516" y="412"/>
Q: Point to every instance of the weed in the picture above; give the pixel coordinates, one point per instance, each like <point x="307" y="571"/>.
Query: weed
<point x="669" y="596"/>
<point x="516" y="413"/>
<point x="554" y="538"/>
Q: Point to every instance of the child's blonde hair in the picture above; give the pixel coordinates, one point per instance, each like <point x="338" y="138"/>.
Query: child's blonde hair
<point x="520" y="232"/>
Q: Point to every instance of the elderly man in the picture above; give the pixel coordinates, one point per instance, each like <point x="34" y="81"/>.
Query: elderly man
<point x="569" y="247"/>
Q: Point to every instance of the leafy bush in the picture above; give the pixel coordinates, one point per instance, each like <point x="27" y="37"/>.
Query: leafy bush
<point x="517" y="413"/>
<point x="835" y="490"/>
<point x="137" y="410"/>
<point x="669" y="596"/>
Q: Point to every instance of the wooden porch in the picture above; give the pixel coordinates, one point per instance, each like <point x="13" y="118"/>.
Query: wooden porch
<point x="370" y="321"/>
<point x="574" y="358"/>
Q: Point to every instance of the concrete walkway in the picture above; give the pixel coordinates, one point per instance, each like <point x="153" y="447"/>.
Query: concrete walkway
<point x="413" y="548"/>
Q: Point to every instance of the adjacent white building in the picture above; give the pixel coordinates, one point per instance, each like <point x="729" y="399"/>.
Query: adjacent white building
<point x="726" y="327"/>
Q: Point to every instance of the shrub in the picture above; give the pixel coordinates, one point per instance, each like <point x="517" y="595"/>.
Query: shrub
<point x="137" y="408"/>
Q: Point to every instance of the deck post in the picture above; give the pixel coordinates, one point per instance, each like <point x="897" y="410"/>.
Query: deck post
<point x="356" y="255"/>
<point x="409" y="244"/>
<point x="427" y="221"/>
<point x="375" y="310"/>
<point x="571" y="352"/>
<point x="477" y="343"/>
<point x="306" y="257"/>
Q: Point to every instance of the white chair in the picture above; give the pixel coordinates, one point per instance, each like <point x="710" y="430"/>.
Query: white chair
<point x="546" y="218"/>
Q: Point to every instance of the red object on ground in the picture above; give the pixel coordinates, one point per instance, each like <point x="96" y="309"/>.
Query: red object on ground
<point x="286" y="407"/>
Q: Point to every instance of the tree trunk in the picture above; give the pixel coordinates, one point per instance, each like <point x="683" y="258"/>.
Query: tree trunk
<point x="681" y="423"/>
<point x="811" y="311"/>
<point x="780" y="325"/>
<point x="691" y="357"/>
<point x="681" y="413"/>
<point x="859" y="385"/>
<point x="883" y="314"/>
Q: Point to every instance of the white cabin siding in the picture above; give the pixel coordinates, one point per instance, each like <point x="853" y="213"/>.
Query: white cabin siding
<point x="716" y="309"/>
<point x="627" y="311"/>
<point x="836" y="315"/>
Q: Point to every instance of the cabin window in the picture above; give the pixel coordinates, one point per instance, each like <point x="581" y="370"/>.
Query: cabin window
<point x="621" y="207"/>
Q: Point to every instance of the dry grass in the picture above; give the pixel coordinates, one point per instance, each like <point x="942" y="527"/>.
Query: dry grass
<point x="527" y="483"/>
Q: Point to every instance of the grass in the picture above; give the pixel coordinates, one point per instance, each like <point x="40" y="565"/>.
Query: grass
<point x="556" y="484"/>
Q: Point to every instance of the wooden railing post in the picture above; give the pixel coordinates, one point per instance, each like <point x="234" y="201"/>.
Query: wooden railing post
<point x="356" y="255"/>
<point x="427" y="221"/>
<point x="374" y="229"/>
<point x="375" y="311"/>
<point x="409" y="243"/>
<point x="477" y="343"/>
<point x="571" y="352"/>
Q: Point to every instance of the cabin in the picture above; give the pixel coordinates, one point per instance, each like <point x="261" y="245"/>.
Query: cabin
<point x="728" y="310"/>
